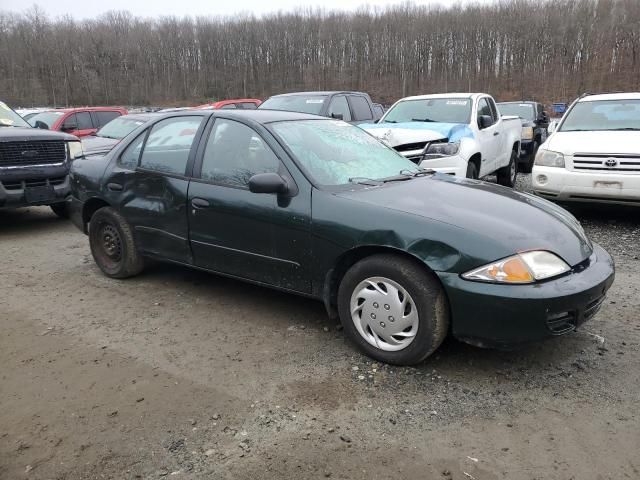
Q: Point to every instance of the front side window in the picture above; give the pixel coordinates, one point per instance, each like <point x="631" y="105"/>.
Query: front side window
<point x="336" y="153"/>
<point x="440" y="110"/>
<point x="295" y="103"/>
<point x="339" y="108"/>
<point x="603" y="115"/>
<point x="169" y="144"/>
<point x="131" y="155"/>
<point x="84" y="121"/>
<point x="234" y="153"/>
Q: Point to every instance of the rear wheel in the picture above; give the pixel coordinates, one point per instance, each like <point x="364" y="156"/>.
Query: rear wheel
<point x="112" y="244"/>
<point x="472" y="171"/>
<point x="507" y="175"/>
<point x="393" y="309"/>
<point x="60" y="209"/>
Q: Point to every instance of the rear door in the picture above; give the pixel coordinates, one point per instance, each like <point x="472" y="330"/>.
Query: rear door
<point x="260" y="237"/>
<point x="151" y="180"/>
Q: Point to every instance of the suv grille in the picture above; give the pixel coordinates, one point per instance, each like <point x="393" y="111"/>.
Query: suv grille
<point x="606" y="163"/>
<point x="41" y="152"/>
<point x="22" y="184"/>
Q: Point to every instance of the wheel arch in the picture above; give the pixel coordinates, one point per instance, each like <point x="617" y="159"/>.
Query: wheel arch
<point x="90" y="207"/>
<point x="349" y="258"/>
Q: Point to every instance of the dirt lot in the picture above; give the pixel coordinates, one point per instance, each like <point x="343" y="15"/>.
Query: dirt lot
<point x="181" y="374"/>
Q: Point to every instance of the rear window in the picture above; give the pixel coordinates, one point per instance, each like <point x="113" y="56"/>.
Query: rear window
<point x="296" y="103"/>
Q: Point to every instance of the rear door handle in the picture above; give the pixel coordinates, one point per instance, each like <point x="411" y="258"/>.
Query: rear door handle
<point x="115" y="187"/>
<point x="200" y="203"/>
<point x="496" y="133"/>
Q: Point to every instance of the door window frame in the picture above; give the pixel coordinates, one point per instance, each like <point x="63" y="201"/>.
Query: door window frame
<point x="348" y="107"/>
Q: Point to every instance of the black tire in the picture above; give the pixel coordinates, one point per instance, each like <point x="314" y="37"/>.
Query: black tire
<point x="60" y="209"/>
<point x="507" y="175"/>
<point x="472" y="171"/>
<point x="423" y="288"/>
<point x="112" y="244"/>
<point x="526" y="167"/>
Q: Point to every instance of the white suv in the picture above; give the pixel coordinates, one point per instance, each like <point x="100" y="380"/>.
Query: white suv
<point x="593" y="155"/>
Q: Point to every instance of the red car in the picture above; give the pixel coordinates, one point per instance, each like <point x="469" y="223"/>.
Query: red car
<point x="240" y="103"/>
<point x="76" y="121"/>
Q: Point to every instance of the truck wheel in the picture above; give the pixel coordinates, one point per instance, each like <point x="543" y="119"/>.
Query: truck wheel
<point x="527" y="166"/>
<point x="393" y="309"/>
<point x="60" y="209"/>
<point x="507" y="175"/>
<point x="472" y="171"/>
<point x="112" y="244"/>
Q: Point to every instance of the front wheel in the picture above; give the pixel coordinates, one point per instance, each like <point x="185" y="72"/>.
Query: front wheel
<point x="507" y="175"/>
<point x="393" y="309"/>
<point x="112" y="244"/>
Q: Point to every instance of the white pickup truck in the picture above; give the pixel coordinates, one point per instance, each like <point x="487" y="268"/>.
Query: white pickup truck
<point x="459" y="134"/>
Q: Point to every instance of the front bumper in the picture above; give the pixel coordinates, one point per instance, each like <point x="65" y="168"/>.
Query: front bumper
<point x="454" y="165"/>
<point x="501" y="315"/>
<point x="570" y="186"/>
<point x="16" y="193"/>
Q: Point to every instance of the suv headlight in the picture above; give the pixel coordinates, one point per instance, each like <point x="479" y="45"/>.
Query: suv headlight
<point x="75" y="150"/>
<point x="442" y="149"/>
<point x="527" y="267"/>
<point x="547" y="158"/>
<point x="527" y="133"/>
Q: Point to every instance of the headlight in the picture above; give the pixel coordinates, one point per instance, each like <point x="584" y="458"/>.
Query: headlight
<point x="75" y="150"/>
<point x="547" y="158"/>
<point x="439" y="150"/>
<point x="527" y="267"/>
<point x="527" y="133"/>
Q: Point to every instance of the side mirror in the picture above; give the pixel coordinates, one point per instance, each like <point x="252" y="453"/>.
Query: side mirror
<point x="337" y="116"/>
<point x="41" y="125"/>
<point x="268" y="183"/>
<point x="485" y="121"/>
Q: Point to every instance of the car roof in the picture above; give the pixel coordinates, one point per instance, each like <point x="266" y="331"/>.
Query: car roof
<point x="85" y="109"/>
<point x="611" y="96"/>
<point x="146" y="116"/>
<point x="259" y="116"/>
<point x="445" y="95"/>
<point x="515" y="102"/>
<point x="328" y="92"/>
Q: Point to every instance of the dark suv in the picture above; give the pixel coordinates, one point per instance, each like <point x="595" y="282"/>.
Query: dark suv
<point x="535" y="122"/>
<point x="34" y="164"/>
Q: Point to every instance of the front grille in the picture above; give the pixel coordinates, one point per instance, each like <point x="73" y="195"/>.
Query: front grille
<point x="40" y="152"/>
<point x="411" y="146"/>
<point x="619" y="163"/>
<point x="22" y="184"/>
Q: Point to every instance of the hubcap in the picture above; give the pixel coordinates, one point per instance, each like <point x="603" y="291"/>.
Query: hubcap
<point x="111" y="243"/>
<point x="384" y="314"/>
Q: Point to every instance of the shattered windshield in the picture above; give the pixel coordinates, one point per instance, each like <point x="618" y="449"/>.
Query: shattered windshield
<point x="334" y="153"/>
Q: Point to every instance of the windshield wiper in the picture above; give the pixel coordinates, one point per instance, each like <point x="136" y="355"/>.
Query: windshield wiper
<point x="106" y="136"/>
<point x="420" y="173"/>
<point x="389" y="121"/>
<point x="365" y="181"/>
<point x="630" y="129"/>
<point x="422" y="120"/>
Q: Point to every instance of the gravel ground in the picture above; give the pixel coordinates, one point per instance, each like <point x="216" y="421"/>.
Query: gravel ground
<point x="181" y="374"/>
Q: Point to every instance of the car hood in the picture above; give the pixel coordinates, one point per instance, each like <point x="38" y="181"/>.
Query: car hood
<point x="511" y="220"/>
<point x="395" y="134"/>
<point x="94" y="144"/>
<point x="613" y="142"/>
<point x="8" y="134"/>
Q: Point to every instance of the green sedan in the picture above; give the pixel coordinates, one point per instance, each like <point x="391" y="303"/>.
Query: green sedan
<point x="317" y="207"/>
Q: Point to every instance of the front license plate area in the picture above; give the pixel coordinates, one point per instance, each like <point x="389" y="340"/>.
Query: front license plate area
<point x="608" y="184"/>
<point x="39" y="194"/>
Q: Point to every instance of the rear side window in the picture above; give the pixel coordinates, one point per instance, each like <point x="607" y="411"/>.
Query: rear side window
<point x="168" y="145"/>
<point x="234" y="153"/>
<point x="360" y="107"/>
<point x="105" y="117"/>
<point x="131" y="155"/>
<point x="339" y="106"/>
<point x="248" y="105"/>
<point x="228" y="106"/>
<point x="84" y="121"/>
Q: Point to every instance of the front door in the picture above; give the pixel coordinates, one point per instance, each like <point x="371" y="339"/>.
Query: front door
<point x="259" y="237"/>
<point x="151" y="178"/>
<point x="489" y="139"/>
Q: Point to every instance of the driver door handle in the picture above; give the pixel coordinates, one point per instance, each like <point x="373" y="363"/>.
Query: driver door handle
<point x="200" y="203"/>
<point x="496" y="133"/>
<point x="115" y="187"/>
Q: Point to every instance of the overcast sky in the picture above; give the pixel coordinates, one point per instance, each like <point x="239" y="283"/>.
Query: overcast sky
<point x="154" y="8"/>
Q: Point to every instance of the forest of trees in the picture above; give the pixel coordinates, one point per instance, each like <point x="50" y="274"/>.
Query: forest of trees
<point x="546" y="50"/>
